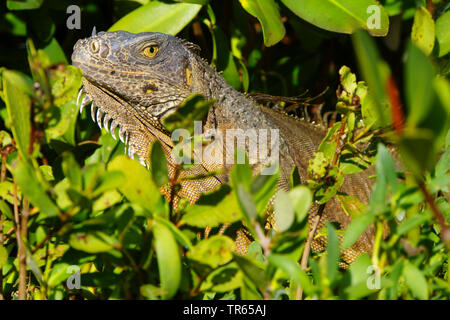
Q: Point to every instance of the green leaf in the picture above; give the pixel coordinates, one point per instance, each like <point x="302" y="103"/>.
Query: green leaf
<point x="6" y="210"/>
<point x="93" y="242"/>
<point x="195" y="107"/>
<point x="357" y="278"/>
<point x="252" y="272"/>
<point x="168" y="256"/>
<point x="415" y="221"/>
<point x="293" y="270"/>
<point x="332" y="252"/>
<point x="107" y="181"/>
<point x="267" y="13"/>
<point x="65" y="83"/>
<point x="348" y="80"/>
<point x="225" y="61"/>
<point x="351" y="205"/>
<point x="375" y="72"/>
<point x="417" y="150"/>
<point x="344" y="16"/>
<point x="156" y="16"/>
<point x="18" y="104"/>
<point x="246" y="203"/>
<point x="385" y="167"/>
<point x="33" y="188"/>
<point x="214" y="251"/>
<point x="224" y="279"/>
<point x="444" y="162"/>
<point x="283" y="211"/>
<point x="213" y="209"/>
<point x="58" y="274"/>
<point x="3" y="256"/>
<point x="179" y="235"/>
<point x="106" y="200"/>
<point x="301" y="199"/>
<point x="418" y="72"/>
<point x="23" y="4"/>
<point x="422" y="34"/>
<point x="158" y="164"/>
<point x="368" y="107"/>
<point x="242" y="174"/>
<point x="138" y="186"/>
<point x="151" y="292"/>
<point x="72" y="171"/>
<point x="32" y="264"/>
<point x="443" y="34"/>
<point x="263" y="188"/>
<point x="327" y="147"/>
<point x="415" y="280"/>
<point x="356" y="228"/>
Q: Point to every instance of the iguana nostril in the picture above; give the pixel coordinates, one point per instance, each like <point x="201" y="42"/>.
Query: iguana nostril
<point x="104" y="50"/>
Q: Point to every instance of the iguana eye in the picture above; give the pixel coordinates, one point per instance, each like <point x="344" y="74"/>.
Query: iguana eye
<point x="95" y="46"/>
<point x="150" y="51"/>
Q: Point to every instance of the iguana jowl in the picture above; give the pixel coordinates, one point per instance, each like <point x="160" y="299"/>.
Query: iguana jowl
<point x="133" y="80"/>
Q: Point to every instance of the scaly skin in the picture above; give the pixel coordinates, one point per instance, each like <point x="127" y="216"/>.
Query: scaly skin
<point x="134" y="91"/>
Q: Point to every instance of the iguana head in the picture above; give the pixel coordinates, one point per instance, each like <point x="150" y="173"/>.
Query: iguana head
<point x="135" y="79"/>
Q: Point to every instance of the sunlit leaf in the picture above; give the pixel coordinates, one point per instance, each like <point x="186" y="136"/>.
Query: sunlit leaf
<point x="213" y="209"/>
<point x="158" y="164"/>
<point x="443" y="34"/>
<point x="375" y="72"/>
<point x="94" y="242"/>
<point x="356" y="228"/>
<point x="345" y="16"/>
<point x="293" y="270"/>
<point x="169" y="262"/>
<point x="267" y="13"/>
<point x="32" y="187"/>
<point x="158" y="16"/>
<point x="18" y="104"/>
<point x="138" y="186"/>
<point x="284" y="211"/>
<point x="214" y="251"/>
<point x="415" y="281"/>
<point x="419" y="97"/>
<point x="422" y="34"/>
<point x="332" y="252"/>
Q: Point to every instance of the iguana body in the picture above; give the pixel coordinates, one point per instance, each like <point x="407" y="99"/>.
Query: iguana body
<point x="136" y="79"/>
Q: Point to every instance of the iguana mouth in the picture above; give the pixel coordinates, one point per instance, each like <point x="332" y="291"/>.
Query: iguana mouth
<point x="104" y="118"/>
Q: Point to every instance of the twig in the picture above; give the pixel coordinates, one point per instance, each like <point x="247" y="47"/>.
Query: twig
<point x="307" y="249"/>
<point x="2" y="178"/>
<point x="316" y="219"/>
<point x="263" y="240"/>
<point x="445" y="230"/>
<point x="172" y="184"/>
<point x="21" y="254"/>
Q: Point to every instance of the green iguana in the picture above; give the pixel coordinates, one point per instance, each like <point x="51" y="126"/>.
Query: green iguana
<point x="133" y="80"/>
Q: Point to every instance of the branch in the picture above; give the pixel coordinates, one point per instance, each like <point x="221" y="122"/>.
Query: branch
<point x="445" y="230"/>
<point x="21" y="254"/>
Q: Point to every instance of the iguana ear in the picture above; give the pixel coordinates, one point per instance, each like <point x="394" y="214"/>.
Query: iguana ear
<point x="191" y="46"/>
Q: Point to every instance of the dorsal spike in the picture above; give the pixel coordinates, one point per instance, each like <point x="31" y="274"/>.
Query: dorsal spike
<point x="191" y="46"/>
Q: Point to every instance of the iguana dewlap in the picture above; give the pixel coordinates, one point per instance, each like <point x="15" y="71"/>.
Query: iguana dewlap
<point x="133" y="80"/>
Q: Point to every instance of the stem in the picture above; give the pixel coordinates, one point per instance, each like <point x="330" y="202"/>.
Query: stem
<point x="21" y="254"/>
<point x="339" y="143"/>
<point x="2" y="178"/>
<point x="307" y="249"/>
<point x="377" y="244"/>
<point x="445" y="230"/>
<point x="263" y="240"/>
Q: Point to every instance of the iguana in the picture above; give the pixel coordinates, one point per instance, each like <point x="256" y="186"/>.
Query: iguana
<point x="133" y="80"/>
